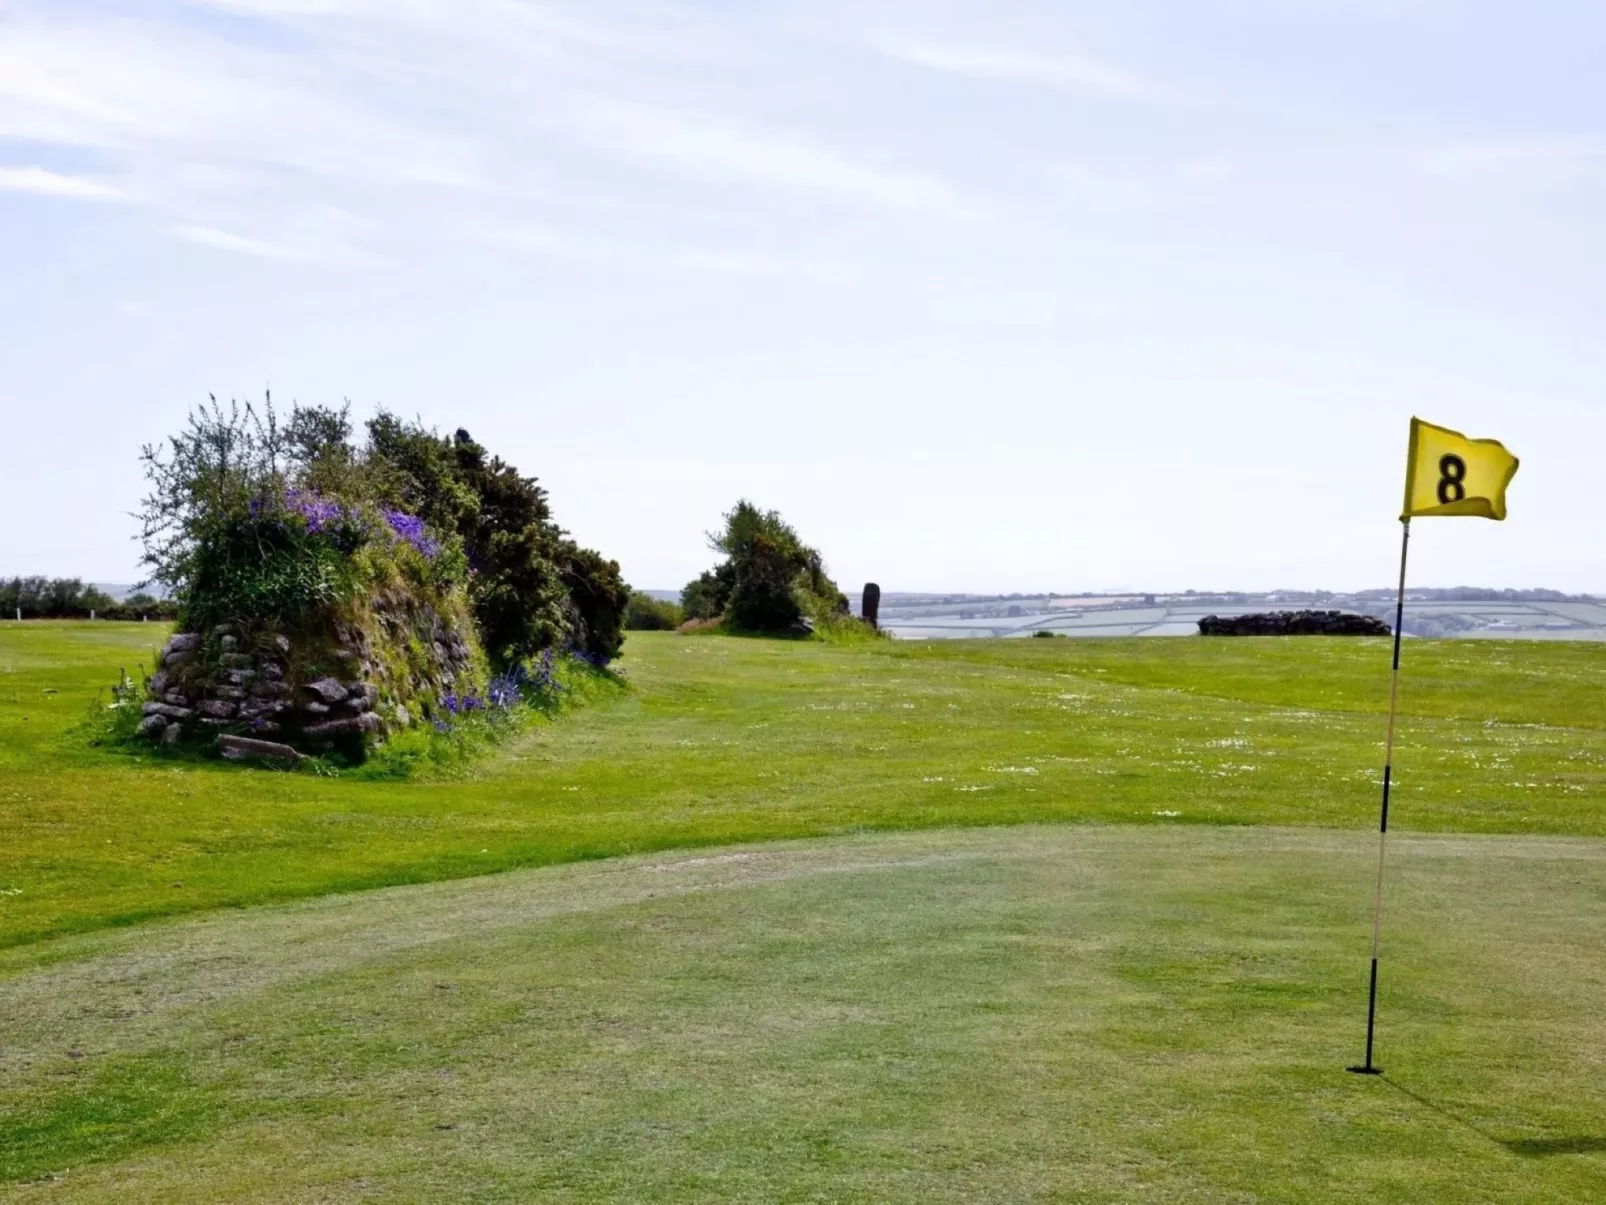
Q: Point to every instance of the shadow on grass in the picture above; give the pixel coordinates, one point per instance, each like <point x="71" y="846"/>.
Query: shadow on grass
<point x="1538" y="1148"/>
<point x="1528" y="1148"/>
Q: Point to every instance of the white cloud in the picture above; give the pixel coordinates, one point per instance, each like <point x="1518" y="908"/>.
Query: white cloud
<point x="53" y="184"/>
<point x="1514" y="157"/>
<point x="716" y="261"/>
<point x="238" y="244"/>
<point x="725" y="151"/>
<point x="1064" y="69"/>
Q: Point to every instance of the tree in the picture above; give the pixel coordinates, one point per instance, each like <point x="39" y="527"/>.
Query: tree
<point x="769" y="581"/>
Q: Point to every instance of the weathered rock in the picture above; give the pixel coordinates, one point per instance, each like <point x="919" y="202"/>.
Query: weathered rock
<point x="330" y="690"/>
<point x="282" y="643"/>
<point x="183" y="642"/>
<point x="364" y="693"/>
<point x="230" y="692"/>
<point x="1294" y="623"/>
<point x="159" y="682"/>
<point x="272" y="669"/>
<point x="404" y="718"/>
<point x="870" y="608"/>
<point x="177" y="657"/>
<point x="166" y="709"/>
<point x="315" y="708"/>
<point x="223" y="629"/>
<point x="235" y="661"/>
<point x="177" y="698"/>
<point x="172" y="734"/>
<point x="269" y="690"/>
<point x="152" y="726"/>
<point x="368" y="722"/>
<point x="217" y="710"/>
<point x="229" y="643"/>
<point x="244" y="748"/>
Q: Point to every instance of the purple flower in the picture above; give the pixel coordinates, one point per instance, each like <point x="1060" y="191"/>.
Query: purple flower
<point x="320" y="513"/>
<point x="411" y="529"/>
<point x="504" y="690"/>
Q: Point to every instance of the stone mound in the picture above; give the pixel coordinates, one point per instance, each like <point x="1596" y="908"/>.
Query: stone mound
<point x="339" y="685"/>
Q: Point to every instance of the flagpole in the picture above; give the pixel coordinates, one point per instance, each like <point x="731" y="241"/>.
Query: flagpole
<point x="1367" y="1067"/>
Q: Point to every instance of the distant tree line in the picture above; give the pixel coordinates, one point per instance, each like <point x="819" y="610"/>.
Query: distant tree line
<point x="70" y="598"/>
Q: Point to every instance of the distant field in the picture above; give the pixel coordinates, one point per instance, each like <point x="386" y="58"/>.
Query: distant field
<point x="739" y="740"/>
<point x="1143" y="990"/>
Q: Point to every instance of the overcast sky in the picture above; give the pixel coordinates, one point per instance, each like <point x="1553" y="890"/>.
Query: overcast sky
<point x="995" y="295"/>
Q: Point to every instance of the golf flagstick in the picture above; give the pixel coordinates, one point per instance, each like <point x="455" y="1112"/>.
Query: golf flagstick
<point x="1367" y="1068"/>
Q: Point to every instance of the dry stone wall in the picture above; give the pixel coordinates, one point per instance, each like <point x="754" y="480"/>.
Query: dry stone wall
<point x="337" y="686"/>
<point x="1295" y="623"/>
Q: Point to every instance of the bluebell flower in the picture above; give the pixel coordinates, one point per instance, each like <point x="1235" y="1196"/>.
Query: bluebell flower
<point x="410" y="528"/>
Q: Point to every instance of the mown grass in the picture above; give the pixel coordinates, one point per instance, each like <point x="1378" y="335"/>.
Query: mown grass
<point x="1102" y="1014"/>
<point x="724" y="739"/>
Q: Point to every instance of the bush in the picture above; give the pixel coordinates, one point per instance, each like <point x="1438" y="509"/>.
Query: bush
<point x="770" y="580"/>
<point x="708" y="595"/>
<point x="648" y="614"/>
<point x="252" y="519"/>
<point x="598" y="600"/>
<point x="531" y="587"/>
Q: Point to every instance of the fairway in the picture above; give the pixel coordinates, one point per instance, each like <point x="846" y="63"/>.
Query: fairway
<point x="721" y="740"/>
<point x="1069" y="1014"/>
<point x="1000" y="921"/>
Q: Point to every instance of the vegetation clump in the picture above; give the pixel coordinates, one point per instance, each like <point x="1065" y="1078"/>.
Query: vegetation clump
<point x="333" y="589"/>
<point x="770" y="582"/>
<point x="648" y="614"/>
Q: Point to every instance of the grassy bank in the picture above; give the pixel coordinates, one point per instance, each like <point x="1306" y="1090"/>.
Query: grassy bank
<point x="724" y="739"/>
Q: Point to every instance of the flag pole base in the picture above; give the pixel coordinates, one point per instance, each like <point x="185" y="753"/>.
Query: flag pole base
<point x="1367" y="1070"/>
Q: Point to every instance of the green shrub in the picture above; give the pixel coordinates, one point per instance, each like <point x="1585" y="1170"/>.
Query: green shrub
<point x="648" y="614"/>
<point x="770" y="580"/>
<point x="252" y="519"/>
<point x="707" y="596"/>
<point x="597" y="602"/>
<point x="531" y="587"/>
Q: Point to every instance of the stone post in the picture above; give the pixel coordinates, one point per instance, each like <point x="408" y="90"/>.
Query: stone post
<point x="870" y="608"/>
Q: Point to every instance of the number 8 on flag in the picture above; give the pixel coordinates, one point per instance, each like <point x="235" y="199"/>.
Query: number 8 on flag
<point x="1449" y="474"/>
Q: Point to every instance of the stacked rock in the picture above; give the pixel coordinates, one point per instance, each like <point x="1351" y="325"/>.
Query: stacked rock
<point x="1295" y="623"/>
<point x="217" y="683"/>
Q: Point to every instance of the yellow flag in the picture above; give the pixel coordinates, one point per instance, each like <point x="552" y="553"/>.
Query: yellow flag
<point x="1449" y="474"/>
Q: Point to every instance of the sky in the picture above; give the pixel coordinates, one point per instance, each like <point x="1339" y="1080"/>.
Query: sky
<point x="1014" y="295"/>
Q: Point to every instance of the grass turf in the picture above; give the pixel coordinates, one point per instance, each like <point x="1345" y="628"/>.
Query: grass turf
<point x="1067" y="1013"/>
<point x="727" y="740"/>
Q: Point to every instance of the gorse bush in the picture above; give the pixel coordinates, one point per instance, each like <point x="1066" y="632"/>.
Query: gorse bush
<point x="250" y="518"/>
<point x="770" y="581"/>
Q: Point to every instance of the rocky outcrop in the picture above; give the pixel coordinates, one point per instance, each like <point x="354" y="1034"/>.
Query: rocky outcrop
<point x="1295" y="623"/>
